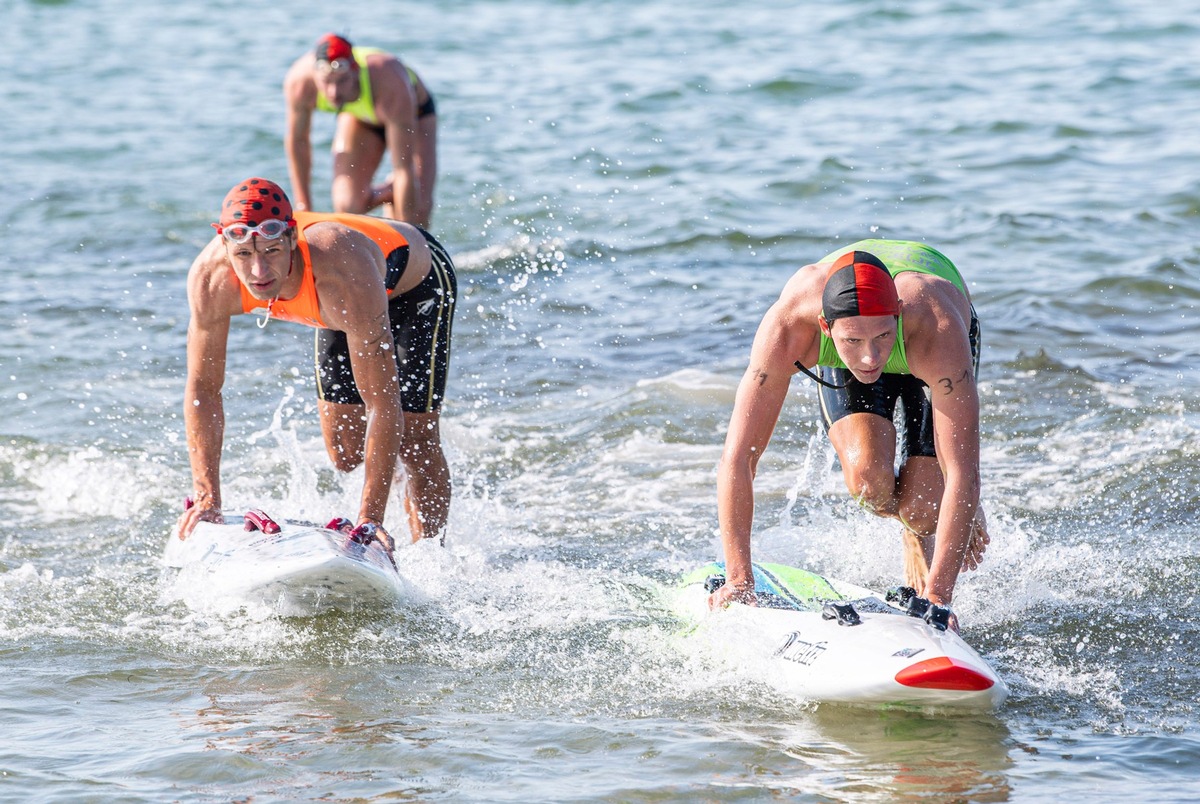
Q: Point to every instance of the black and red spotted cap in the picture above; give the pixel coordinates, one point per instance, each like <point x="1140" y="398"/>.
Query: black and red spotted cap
<point x="858" y="283"/>
<point x="253" y="201"/>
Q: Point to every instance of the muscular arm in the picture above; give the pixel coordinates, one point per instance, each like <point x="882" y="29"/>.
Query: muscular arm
<point x="759" y="400"/>
<point x="203" y="408"/>
<point x="371" y="358"/>
<point x="349" y="271"/>
<point x="396" y="105"/>
<point x="943" y="362"/>
<point x="783" y="336"/>
<point x="300" y="94"/>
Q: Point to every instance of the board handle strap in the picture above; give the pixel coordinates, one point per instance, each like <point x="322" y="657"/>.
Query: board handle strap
<point x="257" y="519"/>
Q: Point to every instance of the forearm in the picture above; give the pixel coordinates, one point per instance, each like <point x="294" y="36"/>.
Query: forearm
<point x="959" y="503"/>
<point x="385" y="430"/>
<point x="735" y="514"/>
<point x="204" y="420"/>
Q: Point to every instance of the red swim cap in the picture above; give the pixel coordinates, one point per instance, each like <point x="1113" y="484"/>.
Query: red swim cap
<point x="858" y="283"/>
<point x="332" y="47"/>
<point x="253" y="201"/>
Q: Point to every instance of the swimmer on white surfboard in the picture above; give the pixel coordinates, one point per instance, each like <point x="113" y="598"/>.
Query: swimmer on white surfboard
<point x="884" y="322"/>
<point x="363" y="283"/>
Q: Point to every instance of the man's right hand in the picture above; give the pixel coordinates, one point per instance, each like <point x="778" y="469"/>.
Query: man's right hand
<point x="730" y="593"/>
<point x="195" y="515"/>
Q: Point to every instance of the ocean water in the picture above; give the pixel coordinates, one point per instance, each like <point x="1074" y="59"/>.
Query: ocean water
<point x="625" y="187"/>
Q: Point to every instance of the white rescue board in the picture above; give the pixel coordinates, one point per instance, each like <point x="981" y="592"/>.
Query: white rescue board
<point x="299" y="568"/>
<point x="822" y="640"/>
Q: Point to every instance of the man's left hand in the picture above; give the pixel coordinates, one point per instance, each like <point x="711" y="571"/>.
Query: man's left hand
<point x="369" y="531"/>
<point x="978" y="542"/>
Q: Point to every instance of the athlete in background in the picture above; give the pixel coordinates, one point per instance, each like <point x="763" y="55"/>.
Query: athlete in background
<point x="381" y="105"/>
<point x="885" y="321"/>
<point x="380" y="293"/>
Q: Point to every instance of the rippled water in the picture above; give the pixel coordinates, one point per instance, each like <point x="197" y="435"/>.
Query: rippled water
<point x="625" y="188"/>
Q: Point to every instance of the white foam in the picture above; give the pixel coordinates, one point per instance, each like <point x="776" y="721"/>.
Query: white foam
<point x="539" y="253"/>
<point x="89" y="482"/>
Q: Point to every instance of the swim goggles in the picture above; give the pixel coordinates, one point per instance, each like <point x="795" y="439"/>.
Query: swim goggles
<point x="335" y="67"/>
<point x="270" y="229"/>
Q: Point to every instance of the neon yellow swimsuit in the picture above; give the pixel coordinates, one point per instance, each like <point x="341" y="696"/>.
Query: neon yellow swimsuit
<point x="364" y="107"/>
<point x="899" y="256"/>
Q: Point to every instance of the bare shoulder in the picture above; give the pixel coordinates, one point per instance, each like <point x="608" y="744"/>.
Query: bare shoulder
<point x="342" y="255"/>
<point x="395" y="95"/>
<point x="213" y="290"/>
<point x="333" y="238"/>
<point x="789" y="331"/>
<point x="801" y="297"/>
<point x="298" y="83"/>
<point x="386" y="63"/>
<point x="932" y="305"/>
<point x="937" y="321"/>
<point x="348" y="269"/>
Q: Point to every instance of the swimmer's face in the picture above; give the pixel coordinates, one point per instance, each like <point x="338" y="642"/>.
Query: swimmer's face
<point x="262" y="265"/>
<point x="864" y="342"/>
<point x="338" y="81"/>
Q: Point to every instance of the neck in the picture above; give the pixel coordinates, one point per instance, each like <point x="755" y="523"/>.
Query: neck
<point x="285" y="291"/>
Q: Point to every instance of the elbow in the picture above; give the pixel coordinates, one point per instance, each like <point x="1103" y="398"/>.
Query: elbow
<point x="200" y="397"/>
<point x="735" y="463"/>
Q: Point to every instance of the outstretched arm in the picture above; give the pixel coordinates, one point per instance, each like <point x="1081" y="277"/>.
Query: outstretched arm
<point x="300" y="95"/>
<point x="940" y="355"/>
<point x="759" y="400"/>
<point x="203" y="409"/>
<point x="374" y="365"/>
<point x="397" y="109"/>
<point x="354" y="301"/>
<point x="783" y="337"/>
<point x="956" y="432"/>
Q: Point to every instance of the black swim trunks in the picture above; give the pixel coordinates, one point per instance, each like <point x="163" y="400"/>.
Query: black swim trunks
<point x="424" y="110"/>
<point x="421" y="321"/>
<point x="880" y="397"/>
<point x="427" y="108"/>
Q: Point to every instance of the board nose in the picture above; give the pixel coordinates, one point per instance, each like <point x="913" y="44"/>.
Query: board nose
<point x="944" y="673"/>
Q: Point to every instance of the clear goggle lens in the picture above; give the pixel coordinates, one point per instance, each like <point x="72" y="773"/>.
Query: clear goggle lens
<point x="337" y="66"/>
<point x="270" y="229"/>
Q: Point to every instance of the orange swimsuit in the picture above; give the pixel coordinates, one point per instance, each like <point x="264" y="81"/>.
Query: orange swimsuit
<point x="305" y="307"/>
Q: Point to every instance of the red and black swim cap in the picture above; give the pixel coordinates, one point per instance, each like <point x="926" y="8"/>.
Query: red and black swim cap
<point x="253" y="201"/>
<point x="332" y="47"/>
<point x="858" y="283"/>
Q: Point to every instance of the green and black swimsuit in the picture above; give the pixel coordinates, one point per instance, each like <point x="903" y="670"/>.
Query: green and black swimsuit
<point x="896" y="384"/>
